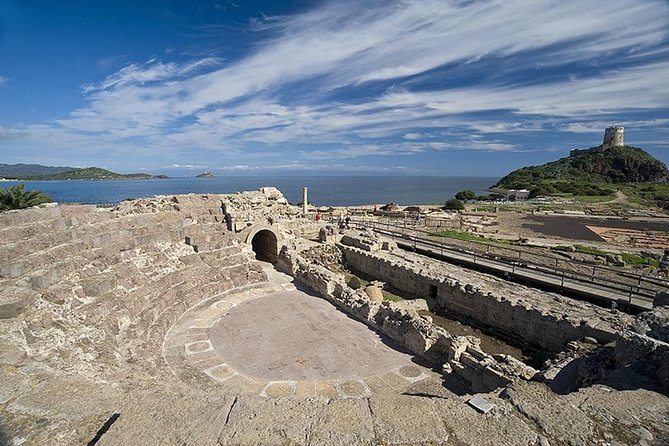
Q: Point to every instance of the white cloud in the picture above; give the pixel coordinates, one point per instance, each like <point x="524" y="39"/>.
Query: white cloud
<point x="3" y="80"/>
<point x="642" y="87"/>
<point x="7" y="134"/>
<point x="597" y="126"/>
<point x="241" y="108"/>
<point x="188" y="166"/>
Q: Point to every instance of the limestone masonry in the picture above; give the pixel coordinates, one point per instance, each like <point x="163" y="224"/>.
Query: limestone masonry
<point x="613" y="137"/>
<point x="220" y="319"/>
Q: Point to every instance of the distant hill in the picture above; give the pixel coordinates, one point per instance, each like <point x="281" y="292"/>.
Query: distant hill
<point x="205" y="175"/>
<point x="93" y="173"/>
<point x="39" y="172"/>
<point x="22" y="171"/>
<point x="621" y="164"/>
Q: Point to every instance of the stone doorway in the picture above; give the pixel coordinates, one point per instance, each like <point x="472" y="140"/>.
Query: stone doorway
<point x="264" y="244"/>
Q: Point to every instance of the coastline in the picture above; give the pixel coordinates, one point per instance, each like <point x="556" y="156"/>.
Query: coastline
<point x="323" y="191"/>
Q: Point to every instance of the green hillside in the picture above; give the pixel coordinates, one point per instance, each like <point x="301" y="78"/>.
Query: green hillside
<point x="91" y="173"/>
<point x="623" y="164"/>
<point x="20" y="171"/>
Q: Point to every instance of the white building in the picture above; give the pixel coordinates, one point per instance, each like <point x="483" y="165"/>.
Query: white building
<point x="517" y="194"/>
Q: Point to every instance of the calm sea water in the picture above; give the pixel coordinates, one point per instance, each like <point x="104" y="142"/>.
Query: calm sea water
<point x="323" y="191"/>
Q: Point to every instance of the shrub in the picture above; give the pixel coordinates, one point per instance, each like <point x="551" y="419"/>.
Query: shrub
<point x="454" y="204"/>
<point x="16" y="197"/>
<point x="465" y="195"/>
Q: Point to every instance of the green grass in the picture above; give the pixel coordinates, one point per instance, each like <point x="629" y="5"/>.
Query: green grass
<point x="629" y="258"/>
<point x="590" y="250"/>
<point x="648" y="194"/>
<point x="457" y="235"/>
<point x="636" y="260"/>
<point x="387" y="295"/>
<point x="501" y="207"/>
<point x="467" y="236"/>
<point x="589" y="199"/>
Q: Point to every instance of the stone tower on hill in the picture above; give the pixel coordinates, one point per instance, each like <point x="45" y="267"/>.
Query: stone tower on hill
<point x="613" y="137"/>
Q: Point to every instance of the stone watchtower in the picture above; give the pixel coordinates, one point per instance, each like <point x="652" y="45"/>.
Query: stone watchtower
<point x="613" y="136"/>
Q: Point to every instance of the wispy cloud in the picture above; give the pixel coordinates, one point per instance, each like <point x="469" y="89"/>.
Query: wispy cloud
<point x="9" y="134"/>
<point x="3" y="80"/>
<point x="597" y="126"/>
<point x="337" y="51"/>
<point x="188" y="166"/>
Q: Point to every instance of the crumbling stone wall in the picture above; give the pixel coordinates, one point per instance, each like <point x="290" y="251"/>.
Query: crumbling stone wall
<point x="93" y="291"/>
<point x="647" y="343"/>
<point x="459" y="354"/>
<point x="543" y="319"/>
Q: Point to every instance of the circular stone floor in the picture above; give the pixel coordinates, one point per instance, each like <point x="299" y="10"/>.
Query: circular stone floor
<point x="277" y="341"/>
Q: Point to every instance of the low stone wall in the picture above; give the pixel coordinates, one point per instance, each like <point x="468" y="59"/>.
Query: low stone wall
<point x="545" y="320"/>
<point x="459" y="354"/>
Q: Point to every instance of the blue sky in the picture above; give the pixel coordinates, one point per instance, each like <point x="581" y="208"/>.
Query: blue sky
<point x="450" y="87"/>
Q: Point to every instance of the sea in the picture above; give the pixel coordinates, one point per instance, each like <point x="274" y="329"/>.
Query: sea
<point x="322" y="190"/>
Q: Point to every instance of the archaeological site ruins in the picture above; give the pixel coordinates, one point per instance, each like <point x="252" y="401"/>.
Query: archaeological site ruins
<point x="235" y="320"/>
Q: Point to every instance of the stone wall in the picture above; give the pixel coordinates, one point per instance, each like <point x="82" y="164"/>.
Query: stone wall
<point x="458" y="354"/>
<point x="648" y="343"/>
<point x="93" y="291"/>
<point x="545" y="320"/>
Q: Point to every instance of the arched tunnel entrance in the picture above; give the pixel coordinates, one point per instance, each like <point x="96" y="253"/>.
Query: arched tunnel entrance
<point x="264" y="244"/>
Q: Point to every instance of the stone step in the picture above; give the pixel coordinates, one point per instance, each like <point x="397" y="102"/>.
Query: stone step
<point x="64" y="220"/>
<point x="94" y="249"/>
<point x="15" y="251"/>
<point x="21" y="217"/>
<point x="88" y="226"/>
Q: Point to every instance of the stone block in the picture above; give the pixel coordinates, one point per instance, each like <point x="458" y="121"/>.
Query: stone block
<point x="400" y="419"/>
<point x="97" y="286"/>
<point x="480" y="404"/>
<point x="354" y="282"/>
<point x="12" y="270"/>
<point x="375" y="293"/>
<point x="11" y="307"/>
<point x="661" y="299"/>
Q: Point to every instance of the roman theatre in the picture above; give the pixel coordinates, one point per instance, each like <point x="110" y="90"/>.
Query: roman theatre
<point x="234" y="320"/>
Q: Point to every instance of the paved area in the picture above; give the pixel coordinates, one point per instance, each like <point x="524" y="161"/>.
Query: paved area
<point x="291" y="335"/>
<point x="276" y="341"/>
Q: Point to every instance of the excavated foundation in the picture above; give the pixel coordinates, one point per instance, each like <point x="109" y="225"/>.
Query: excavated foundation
<point x="163" y="321"/>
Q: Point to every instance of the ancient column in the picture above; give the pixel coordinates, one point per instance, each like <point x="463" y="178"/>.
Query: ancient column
<point x="304" y="201"/>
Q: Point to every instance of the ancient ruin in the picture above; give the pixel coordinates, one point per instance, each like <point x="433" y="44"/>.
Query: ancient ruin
<point x="235" y="320"/>
<point x="614" y="136"/>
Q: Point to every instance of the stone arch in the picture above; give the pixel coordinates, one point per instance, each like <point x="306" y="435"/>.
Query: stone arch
<point x="265" y="243"/>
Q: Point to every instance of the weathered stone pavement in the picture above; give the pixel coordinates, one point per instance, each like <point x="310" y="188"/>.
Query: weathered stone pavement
<point x="277" y="341"/>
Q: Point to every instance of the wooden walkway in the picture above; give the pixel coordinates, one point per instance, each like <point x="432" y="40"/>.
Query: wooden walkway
<point x="632" y="298"/>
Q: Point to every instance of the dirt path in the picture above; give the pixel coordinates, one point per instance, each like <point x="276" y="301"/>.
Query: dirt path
<point x="620" y="197"/>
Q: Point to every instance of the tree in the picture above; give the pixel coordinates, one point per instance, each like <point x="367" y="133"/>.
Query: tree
<point x="16" y="197"/>
<point x="465" y="195"/>
<point x="538" y="191"/>
<point x="454" y="204"/>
